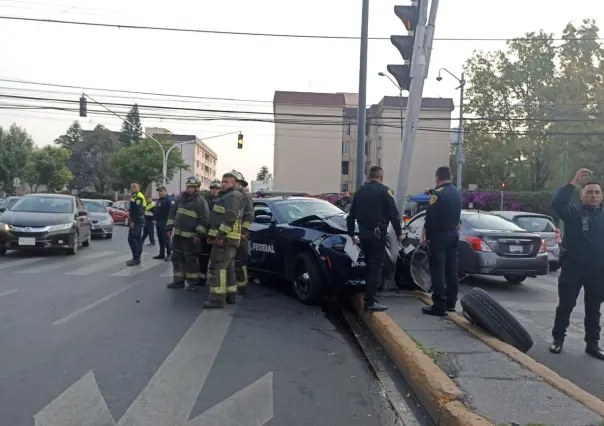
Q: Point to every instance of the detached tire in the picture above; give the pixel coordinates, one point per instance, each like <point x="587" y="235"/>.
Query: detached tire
<point x="309" y="283"/>
<point x="514" y="279"/>
<point x="495" y="319"/>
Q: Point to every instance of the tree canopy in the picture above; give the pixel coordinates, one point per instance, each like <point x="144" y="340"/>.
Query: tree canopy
<point x="16" y="147"/>
<point x="72" y="136"/>
<point x="132" y="127"/>
<point x="263" y="173"/>
<point x="47" y="167"/>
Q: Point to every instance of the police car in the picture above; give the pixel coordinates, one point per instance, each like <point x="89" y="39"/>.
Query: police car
<point x="302" y="240"/>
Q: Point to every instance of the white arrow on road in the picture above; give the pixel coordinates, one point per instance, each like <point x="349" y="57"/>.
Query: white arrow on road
<point x="172" y="392"/>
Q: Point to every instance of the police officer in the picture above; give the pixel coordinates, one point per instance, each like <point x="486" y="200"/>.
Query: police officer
<point x="224" y="236"/>
<point x="241" y="257"/>
<point x="138" y="204"/>
<point x="149" y="229"/>
<point x="373" y="207"/>
<point x="441" y="234"/>
<point x="581" y="258"/>
<point x="162" y="213"/>
<point x="188" y="221"/>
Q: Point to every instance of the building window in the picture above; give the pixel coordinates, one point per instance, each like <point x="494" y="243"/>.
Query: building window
<point x="345" y="168"/>
<point x="344" y="186"/>
<point x="379" y="162"/>
<point x="345" y="147"/>
<point x="367" y="167"/>
<point x="197" y="163"/>
<point x="379" y="142"/>
<point x="367" y="147"/>
<point x="348" y="129"/>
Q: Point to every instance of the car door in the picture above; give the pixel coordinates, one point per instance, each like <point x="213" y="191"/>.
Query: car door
<point x="84" y="222"/>
<point x="262" y="241"/>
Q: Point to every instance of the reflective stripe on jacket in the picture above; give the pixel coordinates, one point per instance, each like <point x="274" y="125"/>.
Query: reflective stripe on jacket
<point x="138" y="204"/>
<point x="225" y="221"/>
<point x="189" y="216"/>
<point x="149" y="209"/>
<point x="248" y="213"/>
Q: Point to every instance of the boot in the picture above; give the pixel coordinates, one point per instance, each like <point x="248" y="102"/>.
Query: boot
<point x="159" y="257"/>
<point x="231" y="298"/>
<point x="434" y="311"/>
<point x="191" y="286"/>
<point x="168" y="258"/>
<point x="214" y="302"/>
<point x="374" y="306"/>
<point x="557" y="345"/>
<point x="592" y="349"/>
<point x="176" y="285"/>
<point x="133" y="262"/>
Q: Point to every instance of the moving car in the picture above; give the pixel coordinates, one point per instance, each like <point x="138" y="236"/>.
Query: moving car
<point x="45" y="221"/>
<point x="119" y="211"/>
<point x="102" y="223"/>
<point x="540" y="224"/>
<point x="9" y="202"/>
<point x="488" y="245"/>
<point x="302" y="240"/>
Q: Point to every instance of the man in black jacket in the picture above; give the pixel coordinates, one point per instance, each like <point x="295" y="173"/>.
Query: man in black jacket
<point x="373" y="207"/>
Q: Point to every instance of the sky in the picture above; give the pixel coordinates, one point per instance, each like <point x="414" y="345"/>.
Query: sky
<point x="242" y="71"/>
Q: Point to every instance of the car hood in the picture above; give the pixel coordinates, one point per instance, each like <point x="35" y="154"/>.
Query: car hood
<point x="35" y="220"/>
<point x="334" y="224"/>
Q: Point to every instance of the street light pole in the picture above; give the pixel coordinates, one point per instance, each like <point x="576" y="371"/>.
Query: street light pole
<point x="362" y="102"/>
<point x="400" y="90"/>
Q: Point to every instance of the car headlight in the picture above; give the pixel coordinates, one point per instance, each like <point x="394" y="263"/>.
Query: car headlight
<point x="107" y="221"/>
<point x="5" y="227"/>
<point x="61" y="227"/>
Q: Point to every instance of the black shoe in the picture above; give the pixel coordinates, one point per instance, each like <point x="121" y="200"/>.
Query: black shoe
<point x="213" y="304"/>
<point x="592" y="349"/>
<point x="231" y="299"/>
<point x="168" y="258"/>
<point x="151" y="245"/>
<point x="176" y="284"/>
<point x="436" y="312"/>
<point x="451" y="307"/>
<point x="556" y="346"/>
<point x="374" y="307"/>
<point x="159" y="257"/>
<point x="133" y="262"/>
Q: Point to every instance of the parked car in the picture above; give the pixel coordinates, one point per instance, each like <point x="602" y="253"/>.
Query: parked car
<point x="45" y="221"/>
<point x="119" y="212"/>
<point x="106" y="203"/>
<point x="488" y="245"/>
<point x="102" y="223"/>
<point x="8" y="203"/>
<point x="540" y="224"/>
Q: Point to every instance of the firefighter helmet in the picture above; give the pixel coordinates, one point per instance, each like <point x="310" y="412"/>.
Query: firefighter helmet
<point x="193" y="181"/>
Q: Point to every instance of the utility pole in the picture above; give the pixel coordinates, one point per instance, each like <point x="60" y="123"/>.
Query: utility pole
<point x="362" y="103"/>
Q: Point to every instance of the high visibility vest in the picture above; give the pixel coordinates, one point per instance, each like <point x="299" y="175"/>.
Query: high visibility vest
<point x="148" y="208"/>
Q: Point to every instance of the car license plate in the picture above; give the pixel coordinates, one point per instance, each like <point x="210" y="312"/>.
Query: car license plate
<point x="27" y="241"/>
<point x="516" y="249"/>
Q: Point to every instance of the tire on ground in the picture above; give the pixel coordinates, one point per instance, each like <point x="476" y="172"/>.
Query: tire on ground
<point x="315" y="282"/>
<point x="495" y="319"/>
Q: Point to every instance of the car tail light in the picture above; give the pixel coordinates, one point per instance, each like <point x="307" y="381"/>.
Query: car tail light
<point x="478" y="244"/>
<point x="543" y="248"/>
<point x="558" y="236"/>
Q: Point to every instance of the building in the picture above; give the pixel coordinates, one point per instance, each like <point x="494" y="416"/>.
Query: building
<point x="202" y="160"/>
<point x="262" y="185"/>
<point x="315" y="141"/>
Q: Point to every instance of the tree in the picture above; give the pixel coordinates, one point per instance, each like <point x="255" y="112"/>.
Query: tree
<point x="89" y="161"/>
<point x="132" y="127"/>
<point x="15" y="149"/>
<point x="47" y="166"/>
<point x="263" y="173"/>
<point x="72" y="136"/>
<point x="143" y="163"/>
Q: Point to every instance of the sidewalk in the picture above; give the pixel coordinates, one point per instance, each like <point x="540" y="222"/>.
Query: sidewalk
<point x="460" y="380"/>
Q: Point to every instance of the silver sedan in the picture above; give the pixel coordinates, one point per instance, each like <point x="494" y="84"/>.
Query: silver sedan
<point x="102" y="223"/>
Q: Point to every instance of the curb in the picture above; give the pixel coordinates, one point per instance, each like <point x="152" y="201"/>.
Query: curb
<point x="563" y="385"/>
<point x="440" y="396"/>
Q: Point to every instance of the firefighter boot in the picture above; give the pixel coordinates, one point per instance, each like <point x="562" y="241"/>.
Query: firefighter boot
<point x="176" y="284"/>
<point x="214" y="302"/>
<point x="231" y="298"/>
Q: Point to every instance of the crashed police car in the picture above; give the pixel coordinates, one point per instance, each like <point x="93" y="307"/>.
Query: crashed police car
<point x="302" y="240"/>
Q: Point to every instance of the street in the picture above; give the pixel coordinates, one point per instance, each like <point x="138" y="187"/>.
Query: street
<point x="88" y="341"/>
<point x="534" y="303"/>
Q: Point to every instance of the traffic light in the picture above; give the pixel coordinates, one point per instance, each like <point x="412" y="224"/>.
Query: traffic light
<point x="502" y="186"/>
<point x="410" y="17"/>
<point x="240" y="141"/>
<point x="83" y="106"/>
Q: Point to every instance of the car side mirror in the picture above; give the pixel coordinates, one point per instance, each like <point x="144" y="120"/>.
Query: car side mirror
<point x="264" y="218"/>
<point x="2" y="209"/>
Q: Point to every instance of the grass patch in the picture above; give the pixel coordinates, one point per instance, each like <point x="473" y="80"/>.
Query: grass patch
<point x="432" y="353"/>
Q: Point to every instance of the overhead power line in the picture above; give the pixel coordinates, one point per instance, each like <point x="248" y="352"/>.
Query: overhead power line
<point x="256" y="34"/>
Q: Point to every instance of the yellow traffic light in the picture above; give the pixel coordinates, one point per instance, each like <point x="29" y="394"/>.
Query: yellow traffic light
<point x="240" y="141"/>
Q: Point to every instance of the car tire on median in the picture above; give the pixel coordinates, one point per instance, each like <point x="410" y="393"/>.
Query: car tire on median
<point x="483" y="310"/>
<point x="309" y="283"/>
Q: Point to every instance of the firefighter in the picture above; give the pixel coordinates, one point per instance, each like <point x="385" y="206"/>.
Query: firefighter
<point x="204" y="257"/>
<point x="224" y="236"/>
<point x="188" y="223"/>
<point x="241" y="257"/>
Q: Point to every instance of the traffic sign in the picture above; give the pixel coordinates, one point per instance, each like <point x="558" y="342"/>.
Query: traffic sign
<point x="456" y="135"/>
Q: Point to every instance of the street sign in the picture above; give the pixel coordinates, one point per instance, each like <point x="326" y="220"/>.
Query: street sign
<point x="74" y="192"/>
<point x="456" y="135"/>
<point x="170" y="395"/>
<point x="461" y="157"/>
<point x="472" y="187"/>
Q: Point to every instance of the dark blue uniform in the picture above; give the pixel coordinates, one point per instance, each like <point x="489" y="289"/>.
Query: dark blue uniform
<point x="443" y="216"/>
<point x="373" y="207"/>
<point x="138" y="203"/>
<point x="161" y="212"/>
<point x="582" y="265"/>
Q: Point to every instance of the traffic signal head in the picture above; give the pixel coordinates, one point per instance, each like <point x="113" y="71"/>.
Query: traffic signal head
<point x="240" y="141"/>
<point x="409" y="15"/>
<point x="83" y="106"/>
<point x="503" y="186"/>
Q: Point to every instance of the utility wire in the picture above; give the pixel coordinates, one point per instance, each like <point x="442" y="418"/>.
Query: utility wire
<point x="255" y="34"/>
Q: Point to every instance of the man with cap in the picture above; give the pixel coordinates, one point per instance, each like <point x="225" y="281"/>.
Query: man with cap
<point x="162" y="212"/>
<point x="241" y="257"/>
<point x="188" y="221"/>
<point x="224" y="236"/>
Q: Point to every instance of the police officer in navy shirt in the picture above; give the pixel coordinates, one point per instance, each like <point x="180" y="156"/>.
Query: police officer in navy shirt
<point x="582" y="259"/>
<point x="373" y="207"/>
<point x="441" y="235"/>
<point x="161" y="212"/>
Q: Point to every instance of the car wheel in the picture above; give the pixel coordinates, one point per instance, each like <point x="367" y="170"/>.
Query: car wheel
<point x="495" y="319"/>
<point x="514" y="279"/>
<point x="76" y="245"/>
<point x="309" y="283"/>
<point x="2" y="252"/>
<point x="554" y="266"/>
<point x="109" y="236"/>
<point x="86" y="243"/>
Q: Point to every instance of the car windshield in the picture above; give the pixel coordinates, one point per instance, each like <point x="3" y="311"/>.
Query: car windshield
<point x="535" y="223"/>
<point x="489" y="221"/>
<point x="294" y="209"/>
<point x="95" y="207"/>
<point x="11" y="202"/>
<point x="44" y="205"/>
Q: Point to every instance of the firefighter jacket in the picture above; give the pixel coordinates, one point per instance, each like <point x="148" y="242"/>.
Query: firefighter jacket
<point x="189" y="216"/>
<point x="225" y="221"/>
<point x="248" y="213"/>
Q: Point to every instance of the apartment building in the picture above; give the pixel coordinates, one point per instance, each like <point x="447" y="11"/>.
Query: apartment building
<point x="202" y="160"/>
<point x="315" y="141"/>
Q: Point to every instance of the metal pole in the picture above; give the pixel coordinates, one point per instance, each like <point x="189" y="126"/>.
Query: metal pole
<point x="362" y="103"/>
<point x="462" y="85"/>
<point x="564" y="160"/>
<point x="501" y="203"/>
<point x="402" y="120"/>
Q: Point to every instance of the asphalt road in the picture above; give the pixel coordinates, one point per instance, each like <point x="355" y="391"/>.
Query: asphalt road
<point x="86" y="341"/>
<point x="534" y="303"/>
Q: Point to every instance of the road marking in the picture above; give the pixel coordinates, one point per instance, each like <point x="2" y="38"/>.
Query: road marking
<point x="135" y="270"/>
<point x="93" y="304"/>
<point x="167" y="274"/>
<point x="77" y="259"/>
<point x="91" y="269"/>
<point x="20" y="262"/>
<point x="6" y="293"/>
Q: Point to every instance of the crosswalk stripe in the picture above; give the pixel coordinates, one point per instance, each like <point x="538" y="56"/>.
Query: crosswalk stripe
<point x="26" y="261"/>
<point x="135" y="270"/>
<point x="62" y="264"/>
<point x="91" y="269"/>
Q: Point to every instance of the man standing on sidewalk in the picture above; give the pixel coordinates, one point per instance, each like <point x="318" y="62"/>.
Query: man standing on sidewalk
<point x="581" y="258"/>
<point x="162" y="212"/>
<point x="441" y="234"/>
